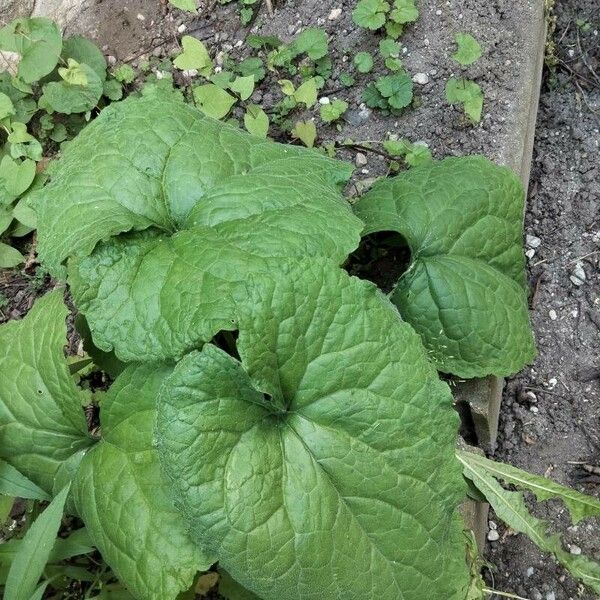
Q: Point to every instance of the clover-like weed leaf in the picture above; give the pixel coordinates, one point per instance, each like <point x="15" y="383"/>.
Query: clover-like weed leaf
<point x="327" y="453"/>
<point x="464" y="291"/>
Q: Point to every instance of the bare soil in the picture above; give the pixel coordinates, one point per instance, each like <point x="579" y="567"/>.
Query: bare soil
<point x="550" y="421"/>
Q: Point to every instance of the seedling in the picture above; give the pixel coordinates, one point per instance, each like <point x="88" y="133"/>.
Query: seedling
<point x="333" y="110"/>
<point x="469" y="94"/>
<point x="58" y="83"/>
<point x="375" y="14"/>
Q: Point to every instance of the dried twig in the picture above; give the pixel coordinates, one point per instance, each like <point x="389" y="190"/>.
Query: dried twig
<point x="585" y="62"/>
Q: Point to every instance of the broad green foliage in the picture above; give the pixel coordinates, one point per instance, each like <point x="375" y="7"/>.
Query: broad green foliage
<point x="464" y="291"/>
<point x="79" y="91"/>
<point x="256" y="121"/>
<point x="306" y="132"/>
<point x="42" y="424"/>
<point x="370" y="14"/>
<point x="122" y="497"/>
<point x="276" y="460"/>
<point x="315" y="458"/>
<point x="83" y="51"/>
<point x="213" y="101"/>
<point x="511" y="508"/>
<point x="213" y="201"/>
<point x="118" y="488"/>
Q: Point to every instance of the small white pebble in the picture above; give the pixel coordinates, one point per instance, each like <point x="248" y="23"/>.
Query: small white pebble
<point x="552" y="314"/>
<point x="493" y="525"/>
<point x="530" y="253"/>
<point x="426" y="42"/>
<point x="111" y="60"/>
<point x="335" y="14"/>
<point x="573" y="549"/>
<point x="493" y="535"/>
<point x="550" y="596"/>
<point x="189" y="73"/>
<point x="324" y="100"/>
<point x="140" y="17"/>
<point x="533" y="241"/>
<point x="360" y="160"/>
<point x="578" y="275"/>
<point x="534" y="409"/>
<point x="421" y="78"/>
<point x="438" y="12"/>
<point x="529" y="572"/>
<point x="182" y="28"/>
<point x="552" y="383"/>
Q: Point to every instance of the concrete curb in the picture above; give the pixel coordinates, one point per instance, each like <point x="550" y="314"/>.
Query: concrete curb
<point x="484" y="396"/>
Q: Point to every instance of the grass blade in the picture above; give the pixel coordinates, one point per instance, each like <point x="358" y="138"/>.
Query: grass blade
<point x="510" y="508"/>
<point x="13" y="483"/>
<point x="579" y="505"/>
<point x="29" y="562"/>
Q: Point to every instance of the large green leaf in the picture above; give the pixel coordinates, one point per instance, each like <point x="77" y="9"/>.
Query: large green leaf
<point x="123" y="500"/>
<point x="212" y="200"/>
<point x="42" y="423"/>
<point x="464" y="291"/>
<point x="173" y="156"/>
<point x="322" y="465"/>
